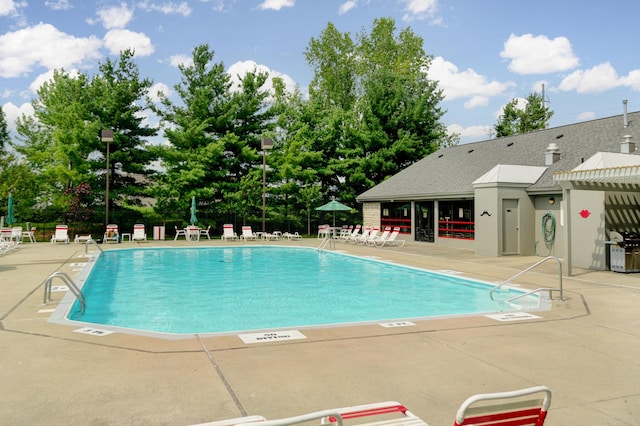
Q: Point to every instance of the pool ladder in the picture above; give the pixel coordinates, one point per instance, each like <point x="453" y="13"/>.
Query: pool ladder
<point x="70" y="283"/>
<point x="550" y="290"/>
<point x="327" y="240"/>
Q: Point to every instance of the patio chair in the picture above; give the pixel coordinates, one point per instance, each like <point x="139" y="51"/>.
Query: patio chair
<point x="233" y="422"/>
<point x="228" y="233"/>
<point x="353" y="234"/>
<point x="111" y="234"/>
<point x="520" y="407"/>
<point x="324" y="231"/>
<point x="61" y="234"/>
<point x="388" y="413"/>
<point x="247" y="234"/>
<point x="78" y="239"/>
<point x="292" y="236"/>
<point x="205" y="232"/>
<point x="30" y="234"/>
<point x="357" y="238"/>
<point x="392" y="240"/>
<point x="179" y="232"/>
<point x="16" y="234"/>
<point x="380" y="239"/>
<point x="373" y="234"/>
<point x="139" y="233"/>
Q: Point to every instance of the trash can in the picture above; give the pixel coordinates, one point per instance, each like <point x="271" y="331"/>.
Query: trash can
<point x="158" y="232"/>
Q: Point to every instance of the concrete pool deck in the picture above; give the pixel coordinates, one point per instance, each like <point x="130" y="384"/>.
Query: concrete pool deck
<point x="586" y="349"/>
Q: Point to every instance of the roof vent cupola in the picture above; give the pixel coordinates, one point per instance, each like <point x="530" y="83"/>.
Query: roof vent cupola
<point x="552" y="154"/>
<point x="627" y="147"/>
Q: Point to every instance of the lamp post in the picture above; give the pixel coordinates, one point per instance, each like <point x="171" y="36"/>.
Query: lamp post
<point x="107" y="136"/>
<point x="266" y="144"/>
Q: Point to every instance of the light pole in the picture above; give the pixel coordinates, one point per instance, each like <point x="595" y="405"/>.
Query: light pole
<point x="107" y="136"/>
<point x="266" y="144"/>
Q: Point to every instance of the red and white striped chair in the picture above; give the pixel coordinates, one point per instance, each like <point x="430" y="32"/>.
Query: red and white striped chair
<point x="520" y="407"/>
<point x="61" y="235"/>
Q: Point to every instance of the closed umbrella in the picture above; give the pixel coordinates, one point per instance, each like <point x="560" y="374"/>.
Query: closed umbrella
<point x="334" y="206"/>
<point x="10" y="215"/>
<point x="194" y="219"/>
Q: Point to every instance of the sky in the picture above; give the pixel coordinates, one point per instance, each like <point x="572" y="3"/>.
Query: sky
<point x="484" y="53"/>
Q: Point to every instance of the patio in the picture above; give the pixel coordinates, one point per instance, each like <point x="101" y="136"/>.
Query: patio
<point x="586" y="349"/>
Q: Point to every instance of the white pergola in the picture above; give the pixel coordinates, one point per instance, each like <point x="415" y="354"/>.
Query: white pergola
<point x="619" y="178"/>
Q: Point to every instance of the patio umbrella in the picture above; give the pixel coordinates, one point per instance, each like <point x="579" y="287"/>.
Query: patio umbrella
<point x="334" y="206"/>
<point x="193" y="219"/>
<point x="10" y="215"/>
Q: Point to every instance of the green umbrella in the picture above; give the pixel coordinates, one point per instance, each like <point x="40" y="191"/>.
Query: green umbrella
<point x="10" y="215"/>
<point x="334" y="206"/>
<point x="194" y="219"/>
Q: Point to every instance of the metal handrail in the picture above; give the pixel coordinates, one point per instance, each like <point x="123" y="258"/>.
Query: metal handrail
<point x="70" y="283"/>
<point x="91" y="241"/>
<point x="327" y="240"/>
<point x="534" y="291"/>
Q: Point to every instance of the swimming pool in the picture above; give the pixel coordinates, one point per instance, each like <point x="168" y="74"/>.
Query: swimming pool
<point x="237" y="289"/>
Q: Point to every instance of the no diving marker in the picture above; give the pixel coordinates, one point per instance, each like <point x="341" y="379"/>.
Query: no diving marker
<point x="271" y="336"/>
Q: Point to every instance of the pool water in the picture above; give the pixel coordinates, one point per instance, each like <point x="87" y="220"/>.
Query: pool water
<point x="231" y="289"/>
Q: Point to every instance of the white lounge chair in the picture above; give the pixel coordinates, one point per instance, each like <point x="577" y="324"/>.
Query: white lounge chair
<point x="392" y="240"/>
<point x="353" y="234"/>
<point x="292" y="236"/>
<point x="139" y="233"/>
<point x="61" y="235"/>
<point x="247" y="234"/>
<point x="380" y="239"/>
<point x="373" y="234"/>
<point x="388" y="413"/>
<point x="228" y="233"/>
<point x="366" y="231"/>
<point x="81" y="239"/>
<point x="111" y="234"/>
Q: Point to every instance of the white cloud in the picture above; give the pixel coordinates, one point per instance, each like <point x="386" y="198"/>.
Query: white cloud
<point x="116" y="16"/>
<point x="12" y="112"/>
<point x="159" y="88"/>
<point x="7" y="7"/>
<point x="58" y="4"/>
<point x="119" y="40"/>
<point x="420" y="9"/>
<point x="474" y="132"/>
<point x="239" y="69"/>
<point x="595" y="80"/>
<point x="347" y="6"/>
<point x="184" y="60"/>
<point x="43" y="45"/>
<point x="47" y="76"/>
<point x="538" y="54"/>
<point x="275" y="4"/>
<point x="586" y="116"/>
<point x="166" y="8"/>
<point x="465" y="84"/>
<point x="599" y="79"/>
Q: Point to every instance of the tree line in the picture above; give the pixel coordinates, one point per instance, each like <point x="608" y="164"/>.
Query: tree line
<point x="370" y="111"/>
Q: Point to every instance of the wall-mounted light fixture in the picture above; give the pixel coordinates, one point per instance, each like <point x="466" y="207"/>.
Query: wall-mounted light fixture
<point x="551" y="201"/>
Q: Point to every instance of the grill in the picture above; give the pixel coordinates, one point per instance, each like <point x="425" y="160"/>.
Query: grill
<point x="625" y="252"/>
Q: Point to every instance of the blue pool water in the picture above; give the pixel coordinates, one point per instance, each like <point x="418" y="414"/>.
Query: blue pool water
<point x="223" y="289"/>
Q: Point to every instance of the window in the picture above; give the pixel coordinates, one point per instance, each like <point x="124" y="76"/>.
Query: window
<point x="396" y="214"/>
<point x="456" y="220"/>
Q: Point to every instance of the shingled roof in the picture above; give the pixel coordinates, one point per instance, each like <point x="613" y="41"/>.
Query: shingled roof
<point x="449" y="172"/>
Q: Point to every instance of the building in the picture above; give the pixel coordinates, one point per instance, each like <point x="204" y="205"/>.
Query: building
<point x="522" y="195"/>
